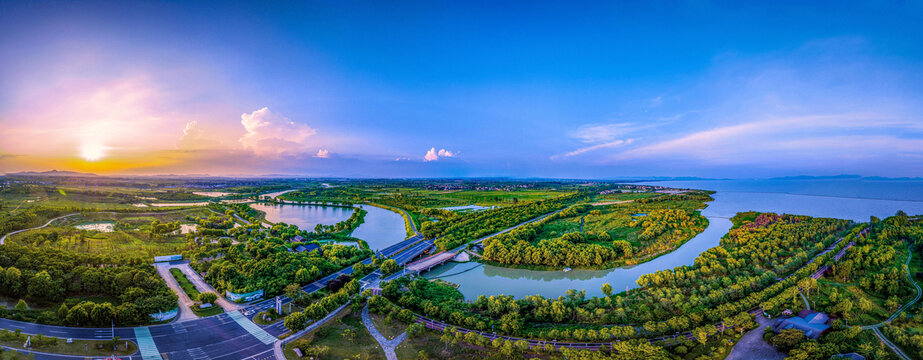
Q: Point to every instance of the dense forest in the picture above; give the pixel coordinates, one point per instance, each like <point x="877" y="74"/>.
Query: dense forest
<point x="268" y="264"/>
<point x="614" y="234"/>
<point x="724" y="282"/>
<point x="460" y="230"/>
<point x="131" y="286"/>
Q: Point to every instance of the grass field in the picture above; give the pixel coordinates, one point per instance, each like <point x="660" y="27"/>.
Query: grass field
<point x="258" y="318"/>
<point x="214" y="310"/>
<point x="616" y="219"/>
<point x="390" y="328"/>
<point x="76" y="347"/>
<point x="337" y="336"/>
<point x="184" y="283"/>
<point x="131" y="233"/>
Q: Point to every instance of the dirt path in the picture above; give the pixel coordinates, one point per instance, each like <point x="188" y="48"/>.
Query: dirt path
<point x="752" y="346"/>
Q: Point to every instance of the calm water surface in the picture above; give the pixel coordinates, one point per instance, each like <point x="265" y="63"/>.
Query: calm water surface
<point x="306" y="217"/>
<point x="380" y="229"/>
<point x="846" y="199"/>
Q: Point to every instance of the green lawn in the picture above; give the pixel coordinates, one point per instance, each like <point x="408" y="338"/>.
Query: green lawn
<point x="60" y="346"/>
<point x="340" y="346"/>
<point x="389" y="328"/>
<point x="258" y="318"/>
<point x="429" y="344"/>
<point x="184" y="283"/>
<point x="214" y="310"/>
<point x="131" y="233"/>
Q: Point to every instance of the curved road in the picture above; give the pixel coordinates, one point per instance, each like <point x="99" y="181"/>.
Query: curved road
<point x="2" y="239"/>
<point x="876" y="328"/>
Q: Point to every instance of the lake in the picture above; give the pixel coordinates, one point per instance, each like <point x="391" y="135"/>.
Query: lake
<point x="845" y="199"/>
<point x="306" y="217"/>
<point x="105" y="226"/>
<point x="380" y="229"/>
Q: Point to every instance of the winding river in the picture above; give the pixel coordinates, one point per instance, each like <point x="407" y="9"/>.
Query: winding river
<point x="846" y="199"/>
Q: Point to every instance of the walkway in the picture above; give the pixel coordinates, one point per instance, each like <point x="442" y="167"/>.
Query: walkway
<point x="203" y="286"/>
<point x="387" y="345"/>
<point x="3" y="239"/>
<point x="146" y="344"/>
<point x="277" y="347"/>
<point x="440" y="326"/>
<point x="252" y="328"/>
<point x="876" y="327"/>
<point x="185" y="313"/>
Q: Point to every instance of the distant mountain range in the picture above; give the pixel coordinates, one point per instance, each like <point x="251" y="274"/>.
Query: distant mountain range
<point x="843" y="177"/>
<point x="58" y="173"/>
<point x="50" y="173"/>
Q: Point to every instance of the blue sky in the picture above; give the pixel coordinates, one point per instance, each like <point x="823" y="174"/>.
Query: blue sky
<point x="432" y="88"/>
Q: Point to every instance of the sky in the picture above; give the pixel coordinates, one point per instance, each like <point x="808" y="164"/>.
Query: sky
<point x="575" y="89"/>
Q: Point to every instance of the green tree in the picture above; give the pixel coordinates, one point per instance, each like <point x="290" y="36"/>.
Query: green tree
<point x="607" y="289"/>
<point x="62" y="312"/>
<point x="788" y="339"/>
<point x="42" y="287"/>
<point x="207" y="297"/>
<point x="389" y="266"/>
<point x="296" y="321"/>
<point x="21" y="305"/>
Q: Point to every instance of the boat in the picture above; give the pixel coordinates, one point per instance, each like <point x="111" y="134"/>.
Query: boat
<point x="567" y="269"/>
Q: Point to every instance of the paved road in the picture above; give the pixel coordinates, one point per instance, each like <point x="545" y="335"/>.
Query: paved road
<point x="387" y="346"/>
<point x="876" y="328"/>
<point x="881" y="337"/>
<point x="440" y="326"/>
<point x="752" y="346"/>
<point x="277" y="347"/>
<point x="185" y="313"/>
<point x="203" y="286"/>
<point x="3" y="239"/>
<point x="213" y="337"/>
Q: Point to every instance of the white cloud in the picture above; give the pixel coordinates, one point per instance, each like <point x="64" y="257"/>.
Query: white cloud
<point x="797" y="138"/>
<point x="610" y="144"/>
<point x="595" y="133"/>
<point x="196" y="138"/>
<point x="272" y="134"/>
<point x="322" y="153"/>
<point x="657" y="101"/>
<point x="431" y="155"/>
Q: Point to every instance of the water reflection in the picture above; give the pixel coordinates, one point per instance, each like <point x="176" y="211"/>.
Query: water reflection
<point x="855" y="200"/>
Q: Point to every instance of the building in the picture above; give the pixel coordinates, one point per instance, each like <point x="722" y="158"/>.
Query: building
<point x="812" y="323"/>
<point x="308" y="248"/>
<point x="297" y="238"/>
<point x="849" y="356"/>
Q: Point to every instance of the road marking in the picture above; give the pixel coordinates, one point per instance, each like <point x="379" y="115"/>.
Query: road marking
<point x="252" y="328"/>
<point x="146" y="344"/>
<point x="197" y="353"/>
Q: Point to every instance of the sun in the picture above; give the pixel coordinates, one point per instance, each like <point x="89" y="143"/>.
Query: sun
<point x="92" y="151"/>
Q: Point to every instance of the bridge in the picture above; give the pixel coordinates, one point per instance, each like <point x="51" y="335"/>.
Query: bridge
<point x="430" y="262"/>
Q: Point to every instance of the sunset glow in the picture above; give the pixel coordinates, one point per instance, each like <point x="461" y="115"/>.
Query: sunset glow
<point x="295" y="94"/>
<point x="92" y="151"/>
